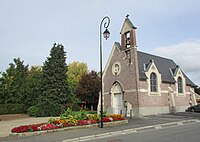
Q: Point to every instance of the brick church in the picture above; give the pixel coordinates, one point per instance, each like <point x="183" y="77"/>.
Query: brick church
<point x="138" y="84"/>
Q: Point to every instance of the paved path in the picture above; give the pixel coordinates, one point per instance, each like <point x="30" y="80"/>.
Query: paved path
<point x="6" y="126"/>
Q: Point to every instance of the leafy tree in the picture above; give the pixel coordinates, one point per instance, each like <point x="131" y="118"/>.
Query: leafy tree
<point x="13" y="83"/>
<point x="19" y="86"/>
<point x="2" y="94"/>
<point x="4" y="81"/>
<point x="54" y="83"/>
<point x="34" y="85"/>
<point x="74" y="72"/>
<point x="88" y="88"/>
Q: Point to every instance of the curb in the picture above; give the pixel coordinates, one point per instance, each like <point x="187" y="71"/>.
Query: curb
<point x="106" y="124"/>
<point x="132" y="130"/>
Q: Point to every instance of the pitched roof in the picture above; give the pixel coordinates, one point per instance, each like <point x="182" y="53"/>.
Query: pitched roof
<point x="129" y="23"/>
<point x="164" y="66"/>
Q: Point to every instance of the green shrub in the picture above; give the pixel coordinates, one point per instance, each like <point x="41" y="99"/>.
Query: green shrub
<point x="48" y="108"/>
<point x="81" y="115"/>
<point x="77" y="115"/>
<point x="67" y="114"/>
<point x="75" y="107"/>
<point x="91" y="112"/>
<point x="33" y="110"/>
<point x="12" y="108"/>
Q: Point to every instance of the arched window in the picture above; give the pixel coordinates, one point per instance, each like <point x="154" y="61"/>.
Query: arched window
<point x="153" y="82"/>
<point x="180" y="85"/>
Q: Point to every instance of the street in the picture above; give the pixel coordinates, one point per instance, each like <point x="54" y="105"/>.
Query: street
<point x="156" y="128"/>
<point x="185" y="133"/>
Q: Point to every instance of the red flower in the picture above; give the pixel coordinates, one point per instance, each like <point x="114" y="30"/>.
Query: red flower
<point x="115" y="119"/>
<point x="93" y="121"/>
<point x="82" y="122"/>
<point x="49" y="127"/>
<point x="122" y="118"/>
<point x="20" y="129"/>
<point x="67" y="125"/>
<point x="106" y="119"/>
<point x="32" y="128"/>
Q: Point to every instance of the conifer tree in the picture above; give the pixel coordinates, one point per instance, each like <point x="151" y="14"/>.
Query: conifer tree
<point x="54" y="97"/>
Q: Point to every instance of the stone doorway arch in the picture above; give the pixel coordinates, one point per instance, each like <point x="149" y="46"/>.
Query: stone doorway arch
<point x="117" y="99"/>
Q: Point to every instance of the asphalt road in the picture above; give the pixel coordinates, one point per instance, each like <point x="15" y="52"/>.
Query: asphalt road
<point x="184" y="133"/>
<point x="180" y="131"/>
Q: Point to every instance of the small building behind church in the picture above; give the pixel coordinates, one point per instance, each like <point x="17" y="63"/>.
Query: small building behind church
<point x="139" y="84"/>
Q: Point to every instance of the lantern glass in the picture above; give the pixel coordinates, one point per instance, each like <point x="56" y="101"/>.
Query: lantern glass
<point x="106" y="34"/>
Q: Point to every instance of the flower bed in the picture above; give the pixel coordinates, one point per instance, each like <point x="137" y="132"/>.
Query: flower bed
<point x="33" y="127"/>
<point x="67" y="121"/>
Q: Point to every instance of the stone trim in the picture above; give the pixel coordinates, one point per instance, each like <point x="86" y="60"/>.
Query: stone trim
<point x="153" y="69"/>
<point x="106" y="93"/>
<point x="143" y="91"/>
<point x="116" y="71"/>
<point x="178" y="74"/>
<point x="187" y="93"/>
<point x="193" y="97"/>
<point x="164" y="91"/>
<point x="172" y="99"/>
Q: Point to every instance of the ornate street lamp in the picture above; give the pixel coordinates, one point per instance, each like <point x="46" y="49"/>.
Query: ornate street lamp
<point x="106" y="35"/>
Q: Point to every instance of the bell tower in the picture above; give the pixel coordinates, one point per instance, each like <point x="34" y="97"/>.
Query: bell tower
<point x="129" y="49"/>
<point x="128" y="35"/>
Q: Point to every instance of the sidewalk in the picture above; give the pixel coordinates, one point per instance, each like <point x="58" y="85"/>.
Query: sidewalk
<point x="154" y="121"/>
<point x="6" y="126"/>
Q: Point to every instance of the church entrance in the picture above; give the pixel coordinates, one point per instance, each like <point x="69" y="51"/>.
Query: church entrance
<point x="117" y="99"/>
<point x="117" y="103"/>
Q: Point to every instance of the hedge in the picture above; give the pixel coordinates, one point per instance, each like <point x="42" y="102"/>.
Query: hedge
<point x="12" y="108"/>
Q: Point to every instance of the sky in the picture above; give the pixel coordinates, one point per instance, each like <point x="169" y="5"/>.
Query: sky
<point x="168" y="28"/>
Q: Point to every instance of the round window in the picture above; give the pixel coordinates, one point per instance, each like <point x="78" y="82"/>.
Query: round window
<point x="116" y="68"/>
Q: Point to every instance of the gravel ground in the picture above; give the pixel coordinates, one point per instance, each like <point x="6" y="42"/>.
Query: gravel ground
<point x="10" y="121"/>
<point x="9" y="117"/>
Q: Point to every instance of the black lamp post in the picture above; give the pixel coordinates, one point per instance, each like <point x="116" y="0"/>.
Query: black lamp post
<point x="106" y="35"/>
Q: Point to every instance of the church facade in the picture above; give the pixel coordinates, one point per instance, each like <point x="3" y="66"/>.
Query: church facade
<point x="138" y="84"/>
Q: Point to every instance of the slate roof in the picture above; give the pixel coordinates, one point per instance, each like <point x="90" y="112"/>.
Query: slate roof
<point x="163" y="65"/>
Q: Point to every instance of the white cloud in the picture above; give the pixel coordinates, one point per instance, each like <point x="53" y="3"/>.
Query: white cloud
<point x="186" y="54"/>
<point x="195" y="77"/>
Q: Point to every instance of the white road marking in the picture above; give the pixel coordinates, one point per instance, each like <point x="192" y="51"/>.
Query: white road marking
<point x="132" y="130"/>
